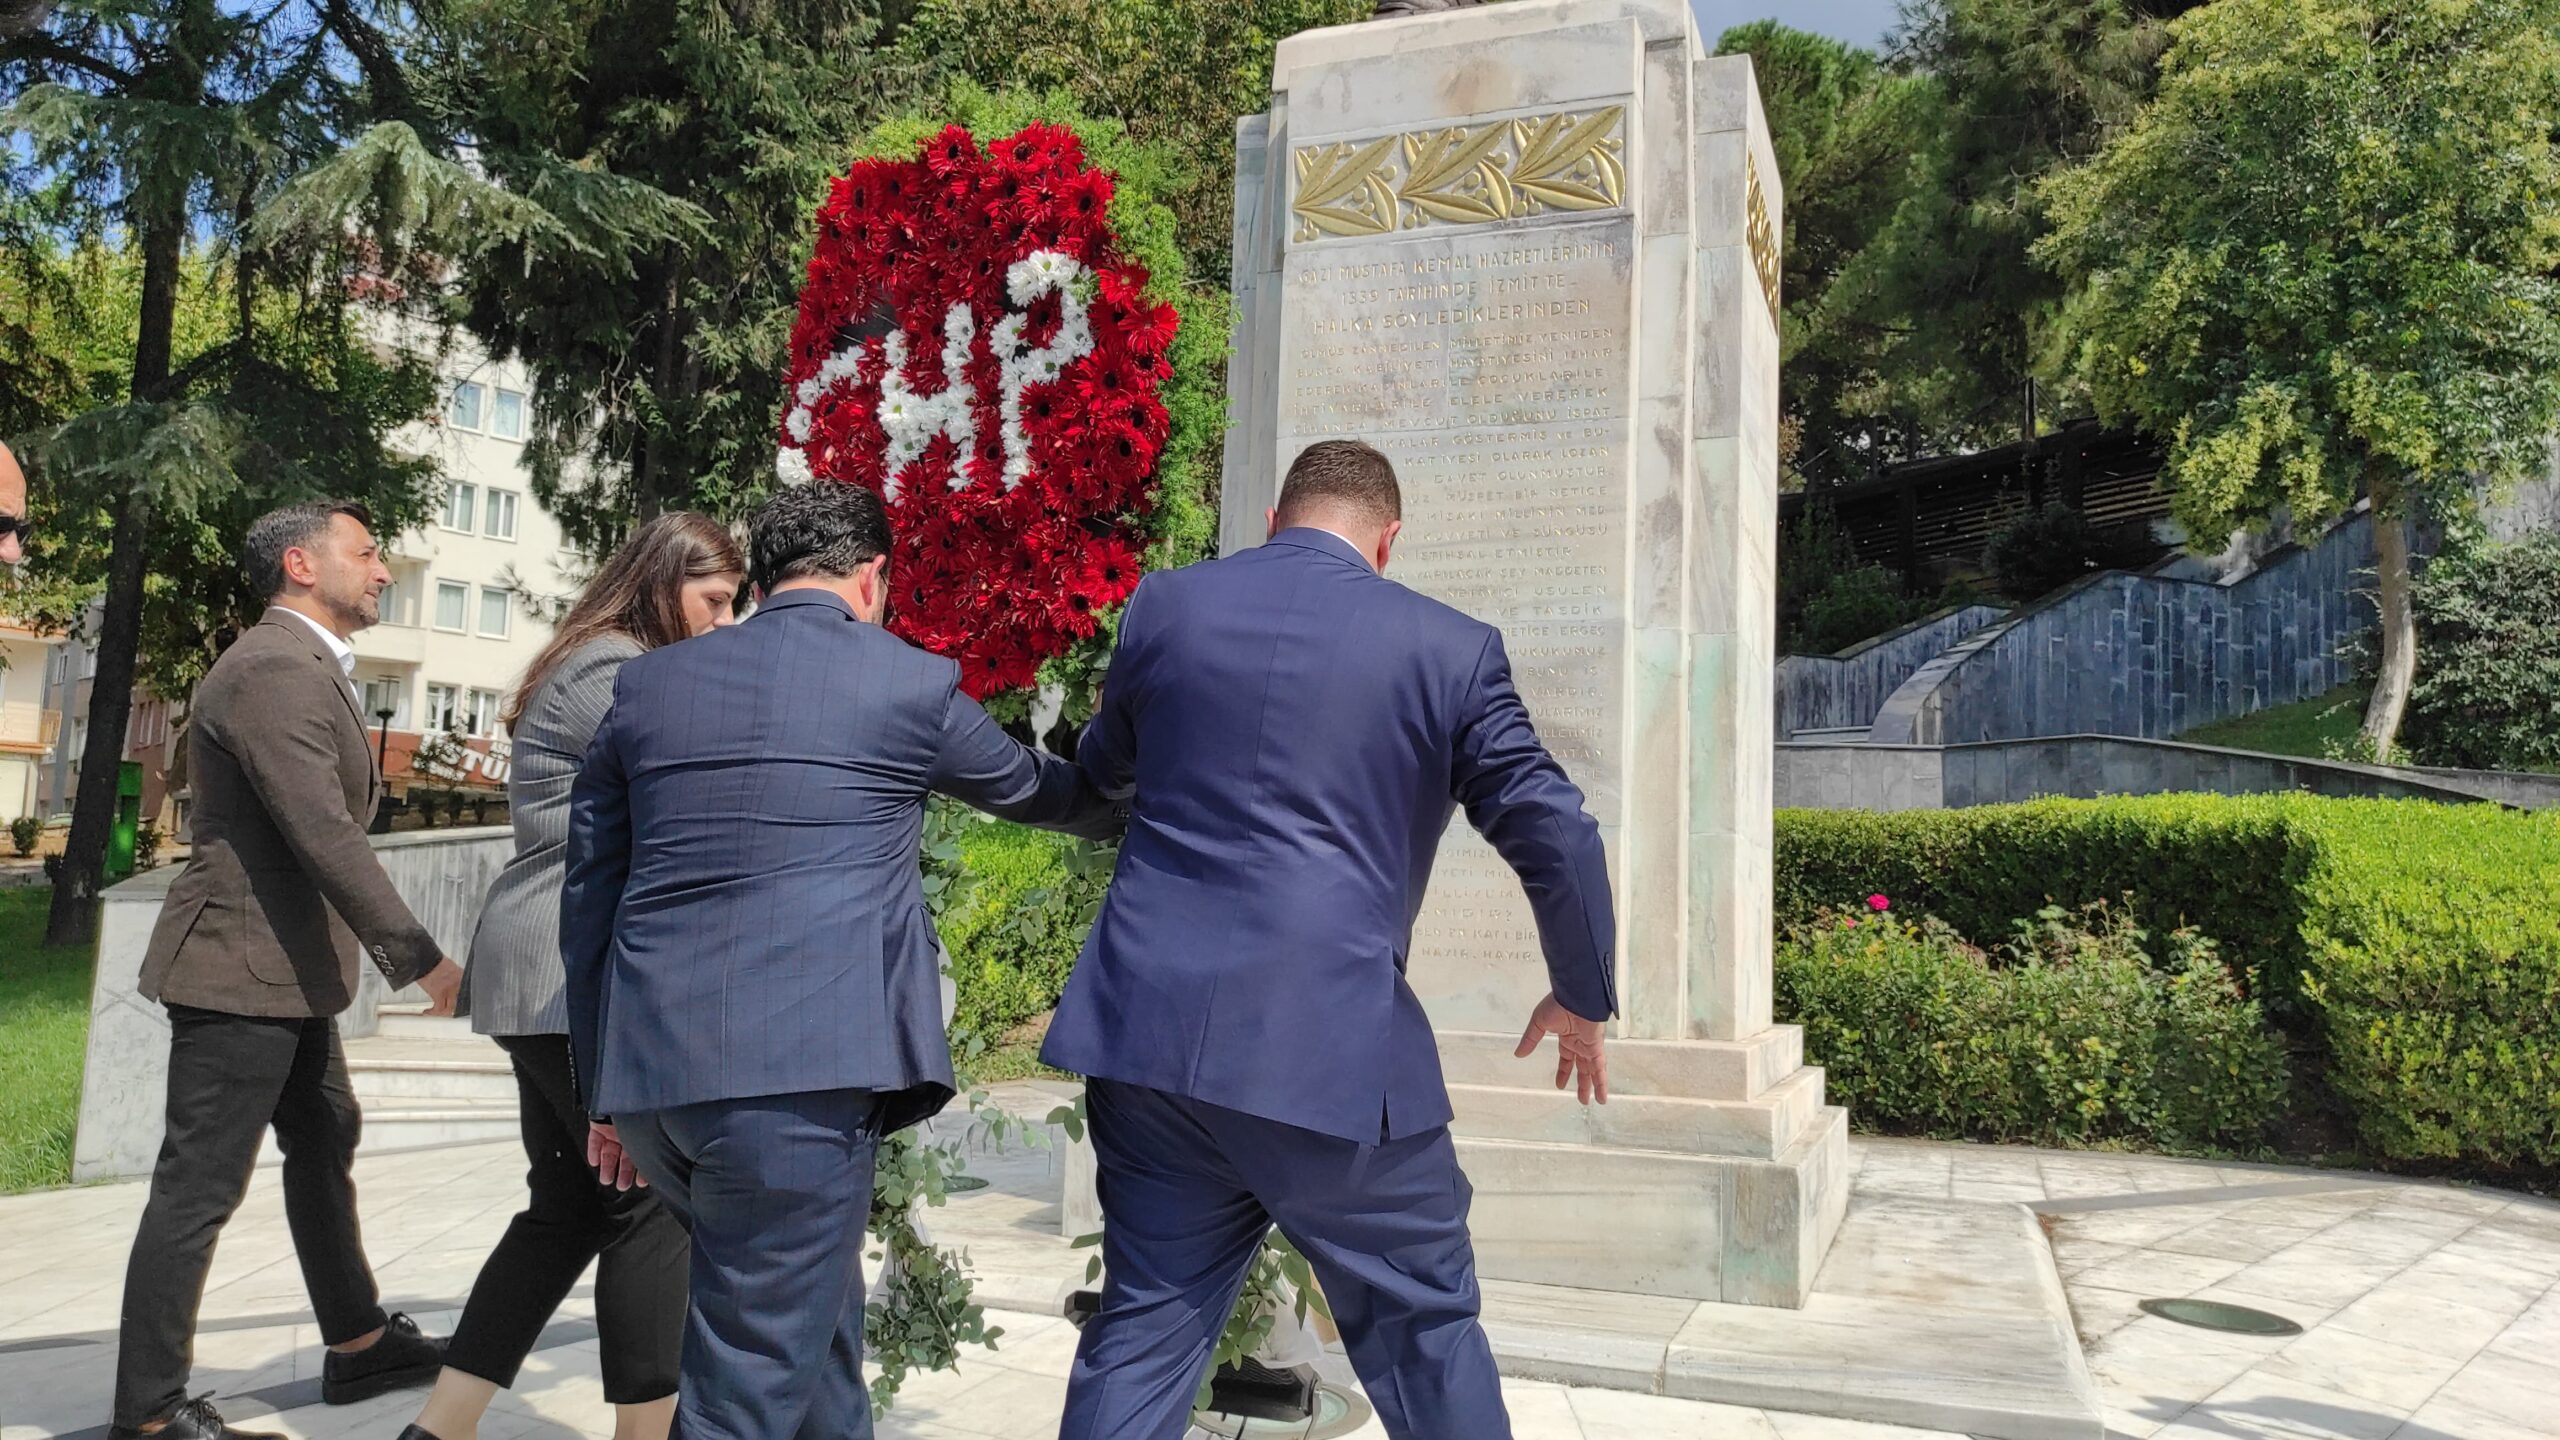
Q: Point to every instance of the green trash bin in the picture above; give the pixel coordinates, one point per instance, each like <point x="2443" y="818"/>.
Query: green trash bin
<point x="128" y="820"/>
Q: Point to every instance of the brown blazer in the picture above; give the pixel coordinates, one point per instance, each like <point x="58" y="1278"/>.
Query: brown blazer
<point x="268" y="916"/>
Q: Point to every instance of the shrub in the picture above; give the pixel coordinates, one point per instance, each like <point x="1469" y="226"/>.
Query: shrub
<point x="2071" y="1033"/>
<point x="2037" y="552"/>
<point x="2488" y="688"/>
<point x="1014" y="932"/>
<point x="24" y="832"/>
<point x="146" y="846"/>
<point x="1828" y="598"/>
<point x="2408" y="952"/>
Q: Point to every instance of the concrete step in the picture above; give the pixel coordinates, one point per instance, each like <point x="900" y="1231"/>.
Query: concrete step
<point x="1833" y="735"/>
<point x="412" y="1022"/>
<point x="1760" y="1128"/>
<point x="394" y="1126"/>
<point x="1685" y="1069"/>
<point x="421" y="1063"/>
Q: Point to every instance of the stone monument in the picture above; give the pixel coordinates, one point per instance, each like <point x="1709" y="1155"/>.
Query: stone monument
<point x="1530" y="251"/>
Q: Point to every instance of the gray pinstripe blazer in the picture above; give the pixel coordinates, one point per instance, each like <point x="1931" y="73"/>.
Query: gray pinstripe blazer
<point x="512" y="985"/>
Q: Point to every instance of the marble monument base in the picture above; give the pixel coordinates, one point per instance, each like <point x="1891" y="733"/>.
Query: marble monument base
<point x="1715" y="1172"/>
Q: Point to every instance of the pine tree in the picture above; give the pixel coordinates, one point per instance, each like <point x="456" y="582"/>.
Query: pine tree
<point x="663" y="391"/>
<point x="287" y="140"/>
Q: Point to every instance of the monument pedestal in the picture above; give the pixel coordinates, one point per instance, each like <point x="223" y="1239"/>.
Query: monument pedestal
<point x="1530" y="252"/>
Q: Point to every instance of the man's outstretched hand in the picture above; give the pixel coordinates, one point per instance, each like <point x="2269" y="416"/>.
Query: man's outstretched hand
<point x="1581" y="1060"/>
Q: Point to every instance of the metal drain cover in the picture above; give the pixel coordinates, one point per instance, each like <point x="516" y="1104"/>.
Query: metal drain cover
<point x="2214" y="1315"/>
<point x="1338" y="1412"/>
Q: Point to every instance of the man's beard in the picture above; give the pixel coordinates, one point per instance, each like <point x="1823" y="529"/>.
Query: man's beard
<point x="362" y="611"/>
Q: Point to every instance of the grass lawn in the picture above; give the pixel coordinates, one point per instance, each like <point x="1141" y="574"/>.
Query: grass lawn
<point x="44" y="1027"/>
<point x="2307" y="727"/>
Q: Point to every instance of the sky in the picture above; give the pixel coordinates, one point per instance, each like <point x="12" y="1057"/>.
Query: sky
<point x="1860" y="22"/>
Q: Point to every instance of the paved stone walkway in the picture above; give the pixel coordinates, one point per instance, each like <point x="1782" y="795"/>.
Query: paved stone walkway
<point x="2429" y="1312"/>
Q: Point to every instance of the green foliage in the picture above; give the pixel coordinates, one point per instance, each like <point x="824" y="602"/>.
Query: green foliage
<point x="2319" y="728"/>
<point x="658" y="377"/>
<point x="921" y="1313"/>
<point x="1845" y="129"/>
<point x="1184" y="517"/>
<point x="44" y="1029"/>
<point x="2076" y="1031"/>
<point x="2407" y="951"/>
<point x="1031" y="897"/>
<point x="2323" y="260"/>
<point x="2433" y="964"/>
<point x="146" y="846"/>
<point x="24" y="832"/>
<point x="1175" y="73"/>
<point x="2038" y="551"/>
<point x="1828" y="598"/>
<point x="2488" y="696"/>
<point x="1939" y="315"/>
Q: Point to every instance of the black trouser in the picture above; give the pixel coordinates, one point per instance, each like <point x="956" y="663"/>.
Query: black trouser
<point x="230" y="1077"/>
<point x="639" y="1247"/>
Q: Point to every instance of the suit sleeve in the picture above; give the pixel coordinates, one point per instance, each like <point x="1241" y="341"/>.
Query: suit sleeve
<point x="1107" y="751"/>
<point x="290" y="755"/>
<point x="1520" y="799"/>
<point x="980" y="764"/>
<point x="598" y="863"/>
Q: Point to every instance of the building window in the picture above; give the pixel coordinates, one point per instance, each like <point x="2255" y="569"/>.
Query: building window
<point x="444" y="708"/>
<point x="506" y="417"/>
<point x="461" y="503"/>
<point x="496" y="606"/>
<point x="464" y="411"/>
<point x="400" y="603"/>
<point x="500" y="515"/>
<point x="387" y="692"/>
<point x="453" y="604"/>
<point x="482" y="713"/>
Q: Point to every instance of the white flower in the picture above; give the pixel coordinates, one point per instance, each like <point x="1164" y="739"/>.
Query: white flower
<point x="792" y="466"/>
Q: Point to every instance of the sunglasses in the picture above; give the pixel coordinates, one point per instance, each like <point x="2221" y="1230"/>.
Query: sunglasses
<point x="18" y="525"/>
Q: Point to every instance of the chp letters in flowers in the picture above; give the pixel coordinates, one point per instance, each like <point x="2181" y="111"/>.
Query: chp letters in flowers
<point x="973" y="345"/>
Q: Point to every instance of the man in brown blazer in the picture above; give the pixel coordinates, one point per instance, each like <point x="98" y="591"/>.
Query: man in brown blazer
<point x="255" y="952"/>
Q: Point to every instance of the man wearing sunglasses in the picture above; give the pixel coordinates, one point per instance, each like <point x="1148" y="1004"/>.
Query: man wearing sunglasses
<point x="13" y="509"/>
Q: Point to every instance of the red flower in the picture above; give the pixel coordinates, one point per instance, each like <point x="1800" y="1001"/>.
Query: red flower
<point x="999" y="575"/>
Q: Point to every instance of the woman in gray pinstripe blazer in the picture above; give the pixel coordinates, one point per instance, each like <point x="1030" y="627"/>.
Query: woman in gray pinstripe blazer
<point x="677" y="576"/>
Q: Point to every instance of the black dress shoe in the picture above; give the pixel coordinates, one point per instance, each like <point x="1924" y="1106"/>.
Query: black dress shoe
<point x="194" y="1420"/>
<point x="414" y="1432"/>
<point x="402" y="1358"/>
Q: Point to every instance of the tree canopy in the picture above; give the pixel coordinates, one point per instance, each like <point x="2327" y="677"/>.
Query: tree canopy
<point x="2321" y="266"/>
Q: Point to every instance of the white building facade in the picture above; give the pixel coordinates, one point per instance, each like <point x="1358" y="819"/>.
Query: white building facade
<point x="474" y="589"/>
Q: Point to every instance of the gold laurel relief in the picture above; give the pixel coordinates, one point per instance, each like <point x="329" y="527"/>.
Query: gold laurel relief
<point x="1343" y="190"/>
<point x="1760" y="235"/>
<point x="1461" y="175"/>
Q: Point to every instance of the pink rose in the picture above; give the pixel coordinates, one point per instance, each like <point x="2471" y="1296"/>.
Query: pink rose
<point x="1878" y="902"/>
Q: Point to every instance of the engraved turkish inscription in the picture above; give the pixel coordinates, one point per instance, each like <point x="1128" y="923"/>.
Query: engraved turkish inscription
<point x="1494" y="368"/>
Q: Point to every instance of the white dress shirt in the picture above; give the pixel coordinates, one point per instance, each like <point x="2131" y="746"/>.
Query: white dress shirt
<point x="338" y="647"/>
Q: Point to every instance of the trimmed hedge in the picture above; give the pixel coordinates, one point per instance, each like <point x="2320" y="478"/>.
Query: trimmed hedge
<point x="2410" y="951"/>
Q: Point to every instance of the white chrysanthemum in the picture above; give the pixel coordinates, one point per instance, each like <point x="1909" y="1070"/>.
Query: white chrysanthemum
<point x="792" y="466"/>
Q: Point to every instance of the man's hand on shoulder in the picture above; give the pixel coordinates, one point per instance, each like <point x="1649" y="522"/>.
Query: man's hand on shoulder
<point x="1581" y="1048"/>
<point x="443" y="985"/>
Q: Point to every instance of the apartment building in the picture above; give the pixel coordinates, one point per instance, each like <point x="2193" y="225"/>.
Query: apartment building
<point x="28" y="728"/>
<point x="473" y="590"/>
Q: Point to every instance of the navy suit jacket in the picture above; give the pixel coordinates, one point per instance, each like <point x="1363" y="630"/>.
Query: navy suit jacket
<point x="743" y="913"/>
<point x="1296" y="731"/>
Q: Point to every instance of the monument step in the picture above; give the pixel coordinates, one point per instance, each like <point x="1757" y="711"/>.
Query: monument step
<point x="1655" y="1222"/>
<point x="1759" y="1128"/>
<point x="412" y="1022"/>
<point x="396" y="1126"/>
<point x="1834" y="735"/>
<point x="1688" y="1069"/>
<point x="1936" y="1314"/>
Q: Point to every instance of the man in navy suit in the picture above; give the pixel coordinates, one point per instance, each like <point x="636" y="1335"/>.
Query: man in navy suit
<point x="1296" y="732"/>
<point x="753" y="991"/>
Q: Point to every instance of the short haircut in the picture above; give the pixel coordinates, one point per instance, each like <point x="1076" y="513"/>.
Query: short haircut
<point x="295" y="527"/>
<point x="818" y="532"/>
<point x="1341" y="475"/>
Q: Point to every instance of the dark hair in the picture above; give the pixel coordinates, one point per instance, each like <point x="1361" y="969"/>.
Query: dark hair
<point x="819" y="530"/>
<point x="295" y="527"/>
<point x="1344" y="474"/>
<point x="639" y="592"/>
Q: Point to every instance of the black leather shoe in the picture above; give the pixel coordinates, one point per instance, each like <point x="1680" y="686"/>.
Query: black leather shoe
<point x="194" y="1420"/>
<point x="402" y="1358"/>
<point x="413" y="1432"/>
